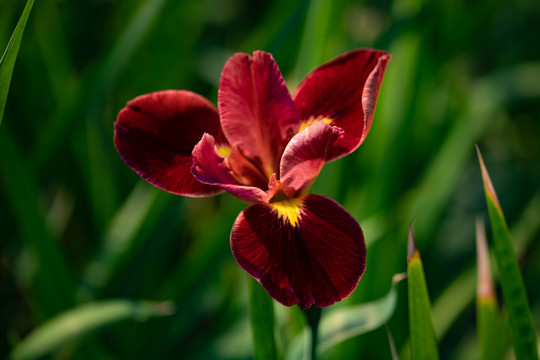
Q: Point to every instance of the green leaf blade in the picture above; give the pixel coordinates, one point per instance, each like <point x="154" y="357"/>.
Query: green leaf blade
<point x="51" y="285"/>
<point x="423" y="339"/>
<point x="80" y="321"/>
<point x="492" y="333"/>
<point x="513" y="288"/>
<point x="261" y="314"/>
<point x="345" y="323"/>
<point x="7" y="62"/>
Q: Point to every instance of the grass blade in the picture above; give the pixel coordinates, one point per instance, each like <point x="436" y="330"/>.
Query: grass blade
<point x="87" y="96"/>
<point x="391" y="343"/>
<point x="423" y="339"/>
<point x="125" y="234"/>
<point x="7" y="62"/>
<point x="78" y="322"/>
<point x="261" y="313"/>
<point x="313" y="42"/>
<point x="521" y="324"/>
<point x="51" y="284"/>
<point x="489" y="323"/>
<point x="460" y="293"/>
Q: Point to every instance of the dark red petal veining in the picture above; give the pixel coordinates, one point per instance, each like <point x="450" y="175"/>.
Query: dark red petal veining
<point x="155" y="135"/>
<point x="304" y="157"/>
<point x="257" y="113"/>
<point x="211" y="168"/>
<point x="314" y="259"/>
<point x="344" y="90"/>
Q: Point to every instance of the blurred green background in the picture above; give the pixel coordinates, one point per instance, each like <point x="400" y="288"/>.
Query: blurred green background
<point x="77" y="225"/>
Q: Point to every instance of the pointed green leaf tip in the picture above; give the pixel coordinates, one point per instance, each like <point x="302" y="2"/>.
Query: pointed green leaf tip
<point x="488" y="185"/>
<point x="515" y="297"/>
<point x="7" y="62"/>
<point x="493" y="335"/>
<point x="423" y="339"/>
<point x="485" y="289"/>
<point x="412" y="251"/>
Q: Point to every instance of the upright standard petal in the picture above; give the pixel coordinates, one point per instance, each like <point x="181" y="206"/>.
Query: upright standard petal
<point x="155" y="135"/>
<point x="303" y="251"/>
<point x="304" y="157"/>
<point x="257" y="113"/>
<point x="343" y="92"/>
<point x="211" y="168"/>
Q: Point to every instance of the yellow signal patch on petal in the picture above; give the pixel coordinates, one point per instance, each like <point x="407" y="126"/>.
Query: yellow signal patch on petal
<point x="288" y="210"/>
<point x="313" y="120"/>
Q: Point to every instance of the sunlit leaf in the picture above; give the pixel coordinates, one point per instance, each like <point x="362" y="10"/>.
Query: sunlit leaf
<point x="344" y="323"/>
<point x="78" y="322"/>
<point x="7" y="62"/>
<point x="423" y="339"/>
<point x="261" y="313"/>
<point x="521" y="324"/>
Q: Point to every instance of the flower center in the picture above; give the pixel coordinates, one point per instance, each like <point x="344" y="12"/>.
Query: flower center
<point x="288" y="210"/>
<point x="223" y="150"/>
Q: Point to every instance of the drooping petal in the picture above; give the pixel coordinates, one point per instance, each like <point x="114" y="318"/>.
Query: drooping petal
<point x="304" y="157"/>
<point x="303" y="251"/>
<point x="155" y="135"/>
<point x="343" y="92"/>
<point x="257" y="112"/>
<point x="211" y="168"/>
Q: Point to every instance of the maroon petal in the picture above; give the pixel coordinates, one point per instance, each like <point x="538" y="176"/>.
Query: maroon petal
<point x="246" y="172"/>
<point x="211" y="168"/>
<point x="155" y="135"/>
<point x="304" y="157"/>
<point x="303" y="251"/>
<point x="343" y="92"/>
<point x="257" y="112"/>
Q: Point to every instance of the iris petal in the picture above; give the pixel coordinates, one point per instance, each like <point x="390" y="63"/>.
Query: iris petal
<point x="210" y="168"/>
<point x="155" y="134"/>
<point x="305" y="155"/>
<point x="257" y="113"/>
<point x="303" y="251"/>
<point x="344" y="91"/>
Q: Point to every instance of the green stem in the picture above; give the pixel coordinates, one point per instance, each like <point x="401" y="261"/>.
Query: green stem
<point x="313" y="315"/>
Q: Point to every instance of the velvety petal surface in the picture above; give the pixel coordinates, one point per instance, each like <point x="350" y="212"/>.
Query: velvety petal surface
<point x="304" y="157"/>
<point x="155" y="135"/>
<point x="211" y="168"/>
<point x="344" y="92"/>
<point x="303" y="251"/>
<point x="247" y="172"/>
<point x="257" y="113"/>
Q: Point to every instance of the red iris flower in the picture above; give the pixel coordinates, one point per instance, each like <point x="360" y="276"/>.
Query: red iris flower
<point x="266" y="148"/>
